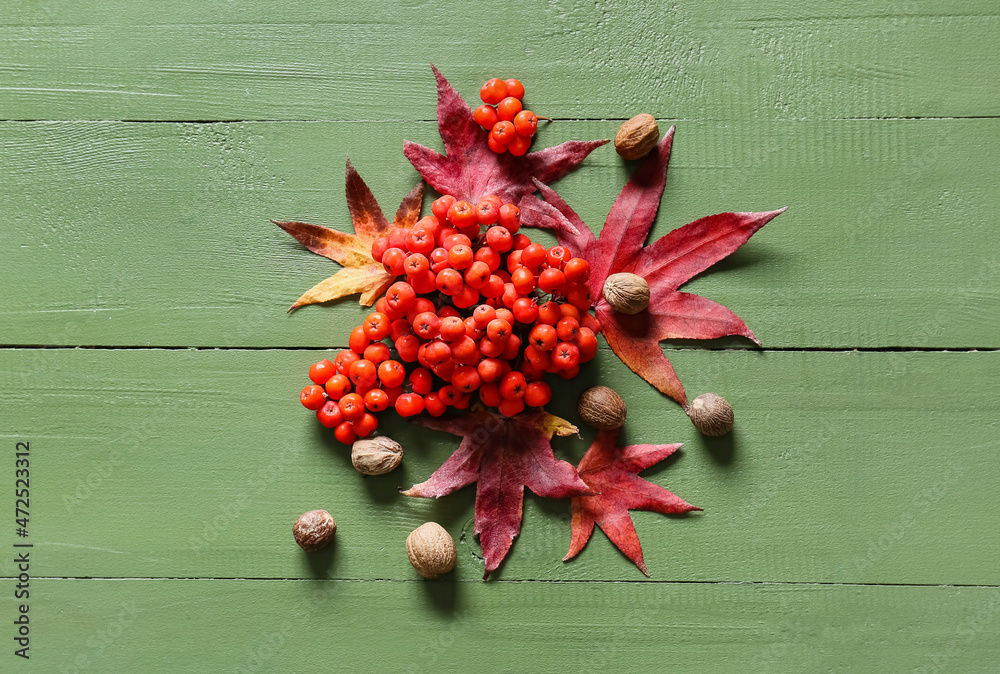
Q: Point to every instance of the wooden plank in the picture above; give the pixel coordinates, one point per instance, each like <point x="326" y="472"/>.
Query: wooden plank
<point x="844" y="467"/>
<point x="241" y="626"/>
<point x="158" y="234"/>
<point x="185" y="60"/>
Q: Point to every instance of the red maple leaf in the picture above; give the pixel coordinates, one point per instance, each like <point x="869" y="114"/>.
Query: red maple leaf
<point x="360" y="273"/>
<point x="611" y="473"/>
<point x="471" y="170"/>
<point x="665" y="264"/>
<point x="502" y="456"/>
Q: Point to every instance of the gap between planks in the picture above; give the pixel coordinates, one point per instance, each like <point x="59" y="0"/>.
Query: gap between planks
<point x="519" y="581"/>
<point x="776" y="349"/>
<point x="434" y="121"/>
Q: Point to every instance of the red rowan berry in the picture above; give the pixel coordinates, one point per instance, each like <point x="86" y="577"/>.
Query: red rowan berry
<point x="400" y="296"/>
<point x="462" y="214"/>
<point x="376" y="326"/>
<point x="352" y="406"/>
<point x="533" y="256"/>
<point x="452" y="328"/>
<point x="486" y="116"/>
<point x="514" y="88"/>
<point x="344" y="359"/>
<point x="376" y="400"/>
<point x="490" y="395"/>
<point x="420" y="241"/>
<point x="379" y="246"/>
<point x="377" y="352"/>
<point x="460" y="256"/>
<point x="312" y="397"/>
<point x="566" y="355"/>
<point x="497" y="147"/>
<point x="510" y="218"/>
<point x="579" y="295"/>
<point x="519" y="145"/>
<point x="449" y="281"/>
<point x="391" y="373"/>
<point x="477" y="274"/>
<point x="441" y="205"/>
<point x="525" y="310"/>
<point x="329" y="414"/>
<point x="525" y="123"/>
<point x="512" y="348"/>
<point x="392" y="260"/>
<point x="421" y="380"/>
<point x="508" y="108"/>
<point x="426" y="325"/>
<point x="406" y="347"/>
<point x="358" y="341"/>
<point x="577" y="270"/>
<point x="433" y="405"/>
<point x="537" y="394"/>
<point x="568" y="328"/>
<point x="344" y="432"/>
<point x="552" y="280"/>
<point x="499" y="239"/>
<point x="321" y="371"/>
<point x="409" y="404"/>
<point x="489" y="369"/>
<point x="466" y="297"/>
<point x="503" y="133"/>
<point x="509" y="407"/>
<point x="493" y="91"/>
<point x="365" y="425"/>
<point x="466" y="378"/>
<point x="487" y="211"/>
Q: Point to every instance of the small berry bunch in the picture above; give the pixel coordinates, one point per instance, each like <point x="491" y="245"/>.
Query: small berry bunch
<point x="479" y="309"/>
<point x="510" y="127"/>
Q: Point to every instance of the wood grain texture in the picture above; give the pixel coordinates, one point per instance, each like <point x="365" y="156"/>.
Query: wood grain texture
<point x="787" y="59"/>
<point x="844" y="467"/>
<point x="319" y="626"/>
<point x="158" y="234"/>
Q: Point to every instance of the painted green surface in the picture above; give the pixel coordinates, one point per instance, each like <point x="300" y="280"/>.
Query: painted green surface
<point x="850" y="521"/>
<point x="305" y="60"/>
<point x="321" y="626"/>
<point x="845" y="467"/>
<point x="137" y="234"/>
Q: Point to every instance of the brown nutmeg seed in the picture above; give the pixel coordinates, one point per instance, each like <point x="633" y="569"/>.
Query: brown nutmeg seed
<point x="376" y="456"/>
<point x="431" y="550"/>
<point x="637" y="136"/>
<point x="602" y="408"/>
<point x="711" y="414"/>
<point x="626" y="293"/>
<point x="314" y="530"/>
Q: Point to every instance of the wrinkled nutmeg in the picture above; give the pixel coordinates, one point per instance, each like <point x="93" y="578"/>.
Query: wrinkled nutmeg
<point x="431" y="550"/>
<point x="637" y="136"/>
<point x="711" y="414"/>
<point x="602" y="408"/>
<point x="314" y="530"/>
<point x="626" y="293"/>
<point x="376" y="456"/>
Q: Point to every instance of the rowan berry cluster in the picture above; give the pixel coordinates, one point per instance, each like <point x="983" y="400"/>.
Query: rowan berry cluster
<point x="502" y="114"/>
<point x="479" y="310"/>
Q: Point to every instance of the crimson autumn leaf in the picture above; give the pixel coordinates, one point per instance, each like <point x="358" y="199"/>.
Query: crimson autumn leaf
<point x="611" y="473"/>
<point x="665" y="264"/>
<point x="502" y="455"/>
<point x="360" y="273"/>
<point x="471" y="170"/>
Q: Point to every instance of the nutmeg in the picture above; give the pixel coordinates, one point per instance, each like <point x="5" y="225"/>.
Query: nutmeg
<point x="711" y="414"/>
<point x="314" y="530"/>
<point x="637" y="136"/>
<point x="376" y="456"/>
<point x="626" y="293"/>
<point x="431" y="550"/>
<point x="602" y="408"/>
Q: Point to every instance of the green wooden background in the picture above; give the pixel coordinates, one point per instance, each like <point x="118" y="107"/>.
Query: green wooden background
<point x="850" y="521"/>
